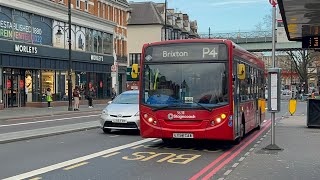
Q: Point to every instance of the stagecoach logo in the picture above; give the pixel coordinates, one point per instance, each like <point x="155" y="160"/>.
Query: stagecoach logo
<point x="148" y="58"/>
<point x="172" y="116"/>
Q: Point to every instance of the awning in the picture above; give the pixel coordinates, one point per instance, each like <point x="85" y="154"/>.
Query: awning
<point x="301" y="18"/>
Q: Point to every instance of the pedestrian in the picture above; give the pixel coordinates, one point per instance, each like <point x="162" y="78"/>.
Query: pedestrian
<point x="49" y="97"/>
<point x="113" y="94"/>
<point x="90" y="96"/>
<point x="76" y="97"/>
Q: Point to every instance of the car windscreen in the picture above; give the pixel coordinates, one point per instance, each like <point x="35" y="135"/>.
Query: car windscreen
<point x="126" y="99"/>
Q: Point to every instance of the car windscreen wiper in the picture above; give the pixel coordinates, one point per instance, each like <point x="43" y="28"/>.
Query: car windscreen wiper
<point x="204" y="107"/>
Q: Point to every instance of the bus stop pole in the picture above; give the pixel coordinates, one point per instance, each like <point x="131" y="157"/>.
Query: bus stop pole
<point x="273" y="146"/>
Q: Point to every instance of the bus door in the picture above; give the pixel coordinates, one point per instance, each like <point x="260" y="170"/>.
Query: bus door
<point x="236" y="99"/>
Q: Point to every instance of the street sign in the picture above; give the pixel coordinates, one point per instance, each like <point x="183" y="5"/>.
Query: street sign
<point x="273" y="2"/>
<point x="113" y="68"/>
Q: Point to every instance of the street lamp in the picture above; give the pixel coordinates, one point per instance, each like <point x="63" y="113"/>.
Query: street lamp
<point x="70" y="61"/>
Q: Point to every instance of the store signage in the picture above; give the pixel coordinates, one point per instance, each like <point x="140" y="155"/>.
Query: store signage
<point x="96" y="58"/>
<point x="25" y="49"/>
<point x="25" y="27"/>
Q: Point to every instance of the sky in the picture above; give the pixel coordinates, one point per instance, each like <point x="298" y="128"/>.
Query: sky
<point x="222" y="15"/>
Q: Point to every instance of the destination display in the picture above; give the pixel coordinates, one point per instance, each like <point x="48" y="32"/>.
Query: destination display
<point x="186" y="52"/>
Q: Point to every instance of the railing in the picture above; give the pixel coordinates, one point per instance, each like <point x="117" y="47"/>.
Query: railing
<point x="242" y="37"/>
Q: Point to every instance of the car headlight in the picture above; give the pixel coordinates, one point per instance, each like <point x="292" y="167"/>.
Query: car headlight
<point x="138" y="114"/>
<point x="104" y="112"/>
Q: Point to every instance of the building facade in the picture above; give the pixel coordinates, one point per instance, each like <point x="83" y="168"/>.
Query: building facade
<point x="117" y="12"/>
<point x="34" y="51"/>
<point x="147" y="24"/>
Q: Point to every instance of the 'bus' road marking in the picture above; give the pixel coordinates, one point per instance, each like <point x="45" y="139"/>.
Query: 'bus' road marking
<point x="75" y="166"/>
<point x="51" y="120"/>
<point x="112" y="154"/>
<point x="75" y="161"/>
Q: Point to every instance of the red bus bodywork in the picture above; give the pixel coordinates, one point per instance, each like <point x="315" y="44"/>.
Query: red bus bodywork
<point x="200" y="126"/>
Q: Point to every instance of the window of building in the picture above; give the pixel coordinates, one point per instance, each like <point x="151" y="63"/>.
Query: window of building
<point x="107" y="43"/>
<point x="86" y="5"/>
<point x="78" y="4"/>
<point x="134" y="58"/>
<point x="99" y="9"/>
<point x="104" y="11"/>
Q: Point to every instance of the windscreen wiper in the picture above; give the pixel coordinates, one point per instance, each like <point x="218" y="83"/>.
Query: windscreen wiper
<point x="204" y="107"/>
<point x="163" y="107"/>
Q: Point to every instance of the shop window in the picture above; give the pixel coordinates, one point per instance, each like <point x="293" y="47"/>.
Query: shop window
<point x="99" y="43"/>
<point x="107" y="43"/>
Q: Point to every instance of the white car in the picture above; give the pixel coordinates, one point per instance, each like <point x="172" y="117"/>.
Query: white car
<point x="121" y="113"/>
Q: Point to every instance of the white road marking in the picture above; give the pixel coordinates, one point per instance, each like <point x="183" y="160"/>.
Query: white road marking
<point x="51" y="120"/>
<point x="255" y="145"/>
<point x="241" y="159"/>
<point x="261" y="139"/>
<point x="75" y="161"/>
<point x="136" y="147"/>
<point x="247" y="154"/>
<point x="265" y="121"/>
<point x="235" y="165"/>
<point x="112" y="154"/>
<point x="251" y="149"/>
<point x="258" y="142"/>
<point x="157" y="140"/>
<point x="221" y="179"/>
<point x="227" y="172"/>
<point x="265" y="136"/>
<point x="114" y="136"/>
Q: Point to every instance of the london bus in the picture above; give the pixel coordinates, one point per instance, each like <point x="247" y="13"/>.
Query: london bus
<point x="201" y="89"/>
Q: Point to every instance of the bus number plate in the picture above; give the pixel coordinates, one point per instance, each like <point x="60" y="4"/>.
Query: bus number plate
<point x="182" y="135"/>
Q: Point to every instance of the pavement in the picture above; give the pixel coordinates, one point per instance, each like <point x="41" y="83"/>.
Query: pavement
<point x="28" y="112"/>
<point x="299" y="159"/>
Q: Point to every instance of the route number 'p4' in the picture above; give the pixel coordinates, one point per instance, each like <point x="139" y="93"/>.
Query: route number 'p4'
<point x="209" y="52"/>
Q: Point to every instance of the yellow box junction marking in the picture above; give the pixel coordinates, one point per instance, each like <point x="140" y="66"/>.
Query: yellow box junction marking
<point x="75" y="166"/>
<point x="166" y="157"/>
<point x="112" y="154"/>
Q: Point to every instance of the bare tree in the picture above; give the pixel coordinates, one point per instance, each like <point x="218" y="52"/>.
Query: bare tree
<point x="266" y="23"/>
<point x="303" y="61"/>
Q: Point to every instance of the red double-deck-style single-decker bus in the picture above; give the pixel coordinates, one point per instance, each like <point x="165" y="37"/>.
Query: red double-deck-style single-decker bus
<point x="202" y="89"/>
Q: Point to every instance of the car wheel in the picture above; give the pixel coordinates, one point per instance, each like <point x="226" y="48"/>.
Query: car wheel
<point x="106" y="130"/>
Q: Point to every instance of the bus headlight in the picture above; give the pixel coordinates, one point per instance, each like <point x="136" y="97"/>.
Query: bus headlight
<point x="218" y="120"/>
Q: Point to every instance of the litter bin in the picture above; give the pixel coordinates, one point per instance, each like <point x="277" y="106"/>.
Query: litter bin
<point x="313" y="114"/>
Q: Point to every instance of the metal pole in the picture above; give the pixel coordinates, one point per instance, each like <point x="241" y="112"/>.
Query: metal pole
<point x="209" y="33"/>
<point x="273" y="114"/>
<point x="70" y="62"/>
<point x="273" y="146"/>
<point x="165" y="20"/>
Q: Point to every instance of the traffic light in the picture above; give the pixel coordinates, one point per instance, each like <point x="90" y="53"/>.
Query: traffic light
<point x="135" y="71"/>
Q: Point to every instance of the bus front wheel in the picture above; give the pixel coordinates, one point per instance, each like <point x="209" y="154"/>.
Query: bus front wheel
<point x="166" y="140"/>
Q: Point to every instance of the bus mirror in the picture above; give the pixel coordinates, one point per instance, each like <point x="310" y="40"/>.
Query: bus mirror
<point x="135" y="71"/>
<point x="241" y="71"/>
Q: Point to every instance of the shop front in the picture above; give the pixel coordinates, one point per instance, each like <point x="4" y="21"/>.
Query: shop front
<point x="27" y="71"/>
